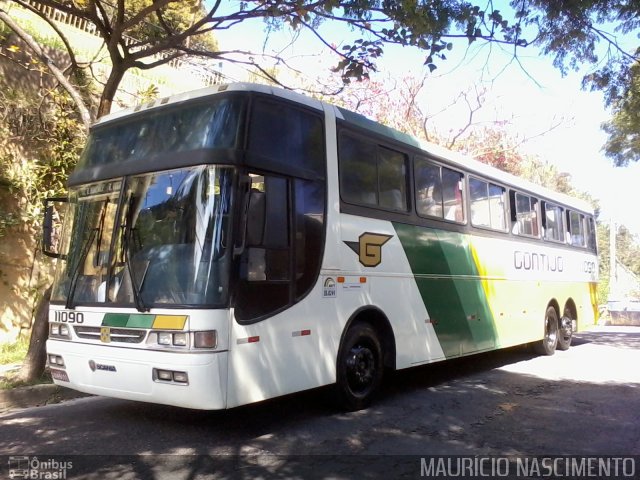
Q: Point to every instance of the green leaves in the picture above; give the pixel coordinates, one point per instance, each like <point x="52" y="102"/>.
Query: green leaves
<point x="359" y="59"/>
<point x="50" y="134"/>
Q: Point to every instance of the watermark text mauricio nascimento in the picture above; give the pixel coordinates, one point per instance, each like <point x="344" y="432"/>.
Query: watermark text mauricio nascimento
<point x="532" y="467"/>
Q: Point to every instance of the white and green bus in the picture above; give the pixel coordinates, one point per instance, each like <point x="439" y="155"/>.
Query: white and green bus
<point x="242" y="242"/>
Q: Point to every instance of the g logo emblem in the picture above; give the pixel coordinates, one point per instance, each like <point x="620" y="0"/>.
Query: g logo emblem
<point x="369" y="248"/>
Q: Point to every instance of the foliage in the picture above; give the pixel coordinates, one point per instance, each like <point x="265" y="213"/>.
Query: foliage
<point x="623" y="144"/>
<point x="14" y="380"/>
<point x="15" y="352"/>
<point x="145" y="33"/>
<point x="147" y="94"/>
<point x="627" y="253"/>
<point x="48" y="131"/>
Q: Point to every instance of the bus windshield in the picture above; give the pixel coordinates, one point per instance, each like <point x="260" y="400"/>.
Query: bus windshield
<point x="161" y="239"/>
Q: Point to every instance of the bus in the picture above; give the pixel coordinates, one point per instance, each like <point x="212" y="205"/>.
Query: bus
<point x="242" y="242"/>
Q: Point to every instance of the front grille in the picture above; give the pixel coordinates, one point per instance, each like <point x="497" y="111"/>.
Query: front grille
<point x="116" y="335"/>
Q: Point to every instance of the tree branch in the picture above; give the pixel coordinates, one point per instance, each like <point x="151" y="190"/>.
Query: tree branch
<point x="61" y="35"/>
<point x="85" y="114"/>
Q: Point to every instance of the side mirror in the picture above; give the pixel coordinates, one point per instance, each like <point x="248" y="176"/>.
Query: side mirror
<point x="54" y="209"/>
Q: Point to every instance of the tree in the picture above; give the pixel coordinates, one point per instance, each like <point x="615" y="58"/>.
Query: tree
<point x="148" y="33"/>
<point x="623" y="144"/>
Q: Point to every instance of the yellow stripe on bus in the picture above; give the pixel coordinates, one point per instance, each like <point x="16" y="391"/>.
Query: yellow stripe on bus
<point x="170" y="322"/>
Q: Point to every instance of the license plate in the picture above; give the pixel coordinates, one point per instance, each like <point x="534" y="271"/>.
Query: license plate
<point x="59" y="375"/>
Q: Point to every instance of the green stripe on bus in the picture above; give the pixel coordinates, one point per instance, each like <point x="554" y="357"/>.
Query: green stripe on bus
<point x="128" y="320"/>
<point x="451" y="289"/>
<point x="140" y="321"/>
<point x="115" y="320"/>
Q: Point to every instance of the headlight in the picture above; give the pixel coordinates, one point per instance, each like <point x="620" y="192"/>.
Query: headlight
<point x="56" y="361"/>
<point x="180" y="339"/>
<point x="164" y="338"/>
<point x="59" y="331"/>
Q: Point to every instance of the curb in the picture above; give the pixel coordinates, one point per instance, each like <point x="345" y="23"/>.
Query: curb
<point x="36" y="396"/>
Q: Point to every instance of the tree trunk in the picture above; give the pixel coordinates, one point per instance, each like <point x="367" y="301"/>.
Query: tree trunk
<point x="36" y="359"/>
<point x="110" y="88"/>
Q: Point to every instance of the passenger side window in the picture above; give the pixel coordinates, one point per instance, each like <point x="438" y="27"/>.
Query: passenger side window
<point x="438" y="191"/>
<point x="358" y="171"/>
<point x="524" y="215"/>
<point x="553" y="222"/>
<point x="576" y="224"/>
<point x="392" y="179"/>
<point x="487" y="204"/>
<point x="372" y="175"/>
<point x="428" y="189"/>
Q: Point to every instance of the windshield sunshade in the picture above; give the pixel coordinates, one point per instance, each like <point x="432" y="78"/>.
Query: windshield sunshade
<point x="211" y="125"/>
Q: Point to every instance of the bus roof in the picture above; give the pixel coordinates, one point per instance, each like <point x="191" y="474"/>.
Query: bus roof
<point x="455" y="159"/>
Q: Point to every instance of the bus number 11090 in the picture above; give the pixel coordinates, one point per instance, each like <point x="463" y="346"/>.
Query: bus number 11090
<point x="69" y="317"/>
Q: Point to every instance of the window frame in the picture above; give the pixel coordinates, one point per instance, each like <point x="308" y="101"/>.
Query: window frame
<point x="562" y="229"/>
<point x="378" y="146"/>
<point x="513" y="193"/>
<point x="463" y="191"/>
<point x="505" y="210"/>
<point x="582" y="221"/>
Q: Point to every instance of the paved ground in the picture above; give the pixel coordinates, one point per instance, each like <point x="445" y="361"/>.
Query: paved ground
<point x="585" y="401"/>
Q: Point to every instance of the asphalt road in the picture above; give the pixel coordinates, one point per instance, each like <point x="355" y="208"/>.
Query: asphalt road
<point x="585" y="401"/>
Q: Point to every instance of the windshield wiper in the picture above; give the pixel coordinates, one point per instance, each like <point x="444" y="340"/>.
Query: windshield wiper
<point x="135" y="288"/>
<point x="76" y="272"/>
<point x="83" y="257"/>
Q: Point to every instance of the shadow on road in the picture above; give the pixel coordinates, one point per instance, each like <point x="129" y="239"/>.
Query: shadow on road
<point x="615" y="337"/>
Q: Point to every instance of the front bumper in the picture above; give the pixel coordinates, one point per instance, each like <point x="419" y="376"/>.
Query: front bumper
<point x="129" y="374"/>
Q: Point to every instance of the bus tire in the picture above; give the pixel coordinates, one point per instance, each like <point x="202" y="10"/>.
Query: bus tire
<point x="360" y="367"/>
<point x="565" y="332"/>
<point x="547" y="346"/>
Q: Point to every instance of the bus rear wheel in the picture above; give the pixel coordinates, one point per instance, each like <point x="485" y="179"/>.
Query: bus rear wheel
<point x="565" y="334"/>
<point x="547" y="346"/>
<point x="359" y="368"/>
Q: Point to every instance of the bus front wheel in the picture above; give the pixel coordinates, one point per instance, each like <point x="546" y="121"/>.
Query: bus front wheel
<point x="359" y="367"/>
<point x="547" y="346"/>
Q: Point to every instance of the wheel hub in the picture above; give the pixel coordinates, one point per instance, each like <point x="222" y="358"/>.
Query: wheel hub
<point x="361" y="365"/>
<point x="565" y="326"/>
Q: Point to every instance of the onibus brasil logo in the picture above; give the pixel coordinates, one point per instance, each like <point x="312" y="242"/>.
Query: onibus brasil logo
<point x="38" y="469"/>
